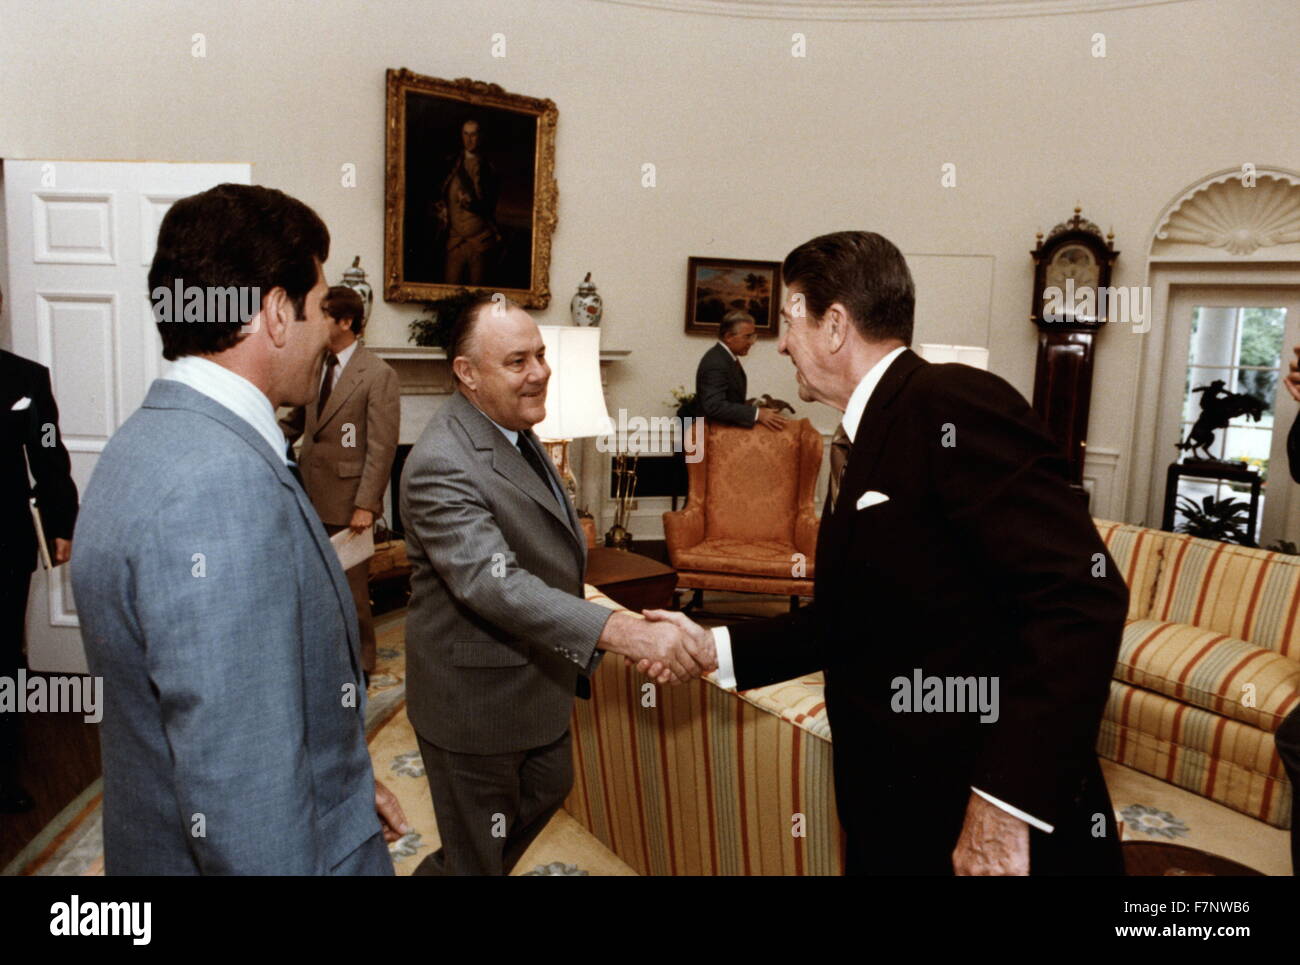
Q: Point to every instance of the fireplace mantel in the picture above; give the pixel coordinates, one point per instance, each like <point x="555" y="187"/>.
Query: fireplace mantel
<point x="420" y="378"/>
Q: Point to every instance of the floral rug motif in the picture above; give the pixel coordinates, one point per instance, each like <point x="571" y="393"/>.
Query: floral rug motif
<point x="557" y="868"/>
<point x="1153" y="821"/>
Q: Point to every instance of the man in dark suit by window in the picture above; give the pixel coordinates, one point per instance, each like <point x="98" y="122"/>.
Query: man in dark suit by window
<point x="1288" y="735"/>
<point x="720" y="381"/>
<point x="30" y="437"/>
<point x="1292" y="384"/>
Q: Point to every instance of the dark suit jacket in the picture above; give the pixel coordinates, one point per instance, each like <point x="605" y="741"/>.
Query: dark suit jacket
<point x="498" y="636"/>
<point x="982" y="563"/>
<point x="23" y="429"/>
<point x="1293" y="449"/>
<point x="720" y="384"/>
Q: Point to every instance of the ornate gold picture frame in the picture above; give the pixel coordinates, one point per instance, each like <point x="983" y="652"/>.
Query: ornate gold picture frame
<point x="470" y="192"/>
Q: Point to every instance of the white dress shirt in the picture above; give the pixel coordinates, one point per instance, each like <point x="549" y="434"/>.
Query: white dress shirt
<point x="857" y="405"/>
<point x="233" y="391"/>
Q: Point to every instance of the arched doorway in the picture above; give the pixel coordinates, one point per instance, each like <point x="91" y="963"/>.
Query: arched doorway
<point x="1223" y="271"/>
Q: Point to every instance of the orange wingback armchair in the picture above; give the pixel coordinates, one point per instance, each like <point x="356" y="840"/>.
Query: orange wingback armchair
<point x="749" y="523"/>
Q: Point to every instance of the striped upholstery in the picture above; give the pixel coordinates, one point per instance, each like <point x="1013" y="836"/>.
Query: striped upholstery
<point x="1210" y="670"/>
<point x="1205" y="620"/>
<point x="1249" y="594"/>
<point x="1226" y="761"/>
<point x="718" y="778"/>
<point x="1135" y="550"/>
<point x="703" y="782"/>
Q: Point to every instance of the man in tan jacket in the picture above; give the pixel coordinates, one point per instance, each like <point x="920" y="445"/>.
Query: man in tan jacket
<point x="349" y="438"/>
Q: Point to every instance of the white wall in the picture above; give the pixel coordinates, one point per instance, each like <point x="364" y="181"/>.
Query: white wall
<point x="756" y="151"/>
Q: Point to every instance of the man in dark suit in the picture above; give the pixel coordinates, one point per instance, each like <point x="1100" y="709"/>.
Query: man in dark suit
<point x="720" y="380"/>
<point x="967" y="616"/>
<point x="1288" y="734"/>
<point x="499" y="638"/>
<point x="1292" y="384"/>
<point x="30" y="438"/>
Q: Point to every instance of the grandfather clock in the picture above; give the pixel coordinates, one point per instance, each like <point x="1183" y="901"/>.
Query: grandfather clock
<point x="1071" y="284"/>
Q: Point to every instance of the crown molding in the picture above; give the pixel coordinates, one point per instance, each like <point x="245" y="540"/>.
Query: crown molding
<point x="849" y="11"/>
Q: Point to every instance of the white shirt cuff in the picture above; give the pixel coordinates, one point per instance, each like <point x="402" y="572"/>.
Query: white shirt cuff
<point x="1014" y="812"/>
<point x="725" y="675"/>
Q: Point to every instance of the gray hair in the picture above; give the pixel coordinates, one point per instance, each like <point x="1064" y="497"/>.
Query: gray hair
<point x="733" y="320"/>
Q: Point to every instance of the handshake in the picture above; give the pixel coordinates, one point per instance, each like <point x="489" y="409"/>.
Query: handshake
<point x="665" y="646"/>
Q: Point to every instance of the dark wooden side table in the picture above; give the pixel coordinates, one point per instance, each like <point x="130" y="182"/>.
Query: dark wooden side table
<point x="637" y="582"/>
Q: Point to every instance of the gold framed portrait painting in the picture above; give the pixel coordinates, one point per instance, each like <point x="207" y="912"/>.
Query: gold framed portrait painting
<point x="470" y="190"/>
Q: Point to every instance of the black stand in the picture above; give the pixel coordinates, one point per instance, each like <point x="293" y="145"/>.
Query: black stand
<point x="1219" y="471"/>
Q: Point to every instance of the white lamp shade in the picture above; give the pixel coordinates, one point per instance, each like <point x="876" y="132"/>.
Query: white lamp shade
<point x="973" y="355"/>
<point x="575" y="400"/>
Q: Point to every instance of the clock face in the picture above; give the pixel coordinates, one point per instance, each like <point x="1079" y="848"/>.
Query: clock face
<point x="1073" y="263"/>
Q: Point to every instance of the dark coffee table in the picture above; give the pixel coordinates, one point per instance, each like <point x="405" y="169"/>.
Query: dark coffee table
<point x="1155" y="859"/>
<point x="634" y="581"/>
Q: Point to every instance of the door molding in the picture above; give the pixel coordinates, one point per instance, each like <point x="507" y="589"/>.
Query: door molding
<point x="1178" y="260"/>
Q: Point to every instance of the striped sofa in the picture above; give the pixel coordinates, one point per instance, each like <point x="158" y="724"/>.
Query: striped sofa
<point x="1209" y="667"/>
<point x="698" y="780"/>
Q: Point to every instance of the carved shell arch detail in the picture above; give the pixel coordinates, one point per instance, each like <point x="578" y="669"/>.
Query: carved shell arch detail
<point x="1227" y="213"/>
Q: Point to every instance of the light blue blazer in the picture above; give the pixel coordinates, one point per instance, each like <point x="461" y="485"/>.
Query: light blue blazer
<point x="215" y="609"/>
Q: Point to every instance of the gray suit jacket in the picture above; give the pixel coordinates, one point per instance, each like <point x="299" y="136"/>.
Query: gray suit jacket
<point x="497" y="633"/>
<point x="218" y="615"/>
<point x="720" y="384"/>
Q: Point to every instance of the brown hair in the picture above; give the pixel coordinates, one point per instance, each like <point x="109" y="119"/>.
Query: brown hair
<point x="233" y="238"/>
<point x="865" y="273"/>
<point x="342" y="302"/>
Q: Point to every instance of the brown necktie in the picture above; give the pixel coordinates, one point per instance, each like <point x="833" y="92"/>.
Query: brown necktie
<point x="327" y="385"/>
<point x="841" y="445"/>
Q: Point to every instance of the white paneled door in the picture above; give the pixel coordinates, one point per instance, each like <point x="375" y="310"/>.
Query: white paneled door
<point x="81" y="236"/>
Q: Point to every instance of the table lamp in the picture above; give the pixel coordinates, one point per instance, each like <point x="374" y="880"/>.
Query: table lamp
<point x="575" y="399"/>
<point x="973" y="355"/>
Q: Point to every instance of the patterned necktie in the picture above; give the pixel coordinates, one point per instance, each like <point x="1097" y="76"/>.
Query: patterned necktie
<point x="327" y="385"/>
<point x="533" y="459"/>
<point x="841" y="445"/>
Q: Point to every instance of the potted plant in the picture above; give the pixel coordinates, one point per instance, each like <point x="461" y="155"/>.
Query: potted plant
<point x="435" y="332"/>
<point x="1222" y="519"/>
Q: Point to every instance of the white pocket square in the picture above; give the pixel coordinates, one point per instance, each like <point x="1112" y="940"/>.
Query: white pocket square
<point x="21" y="404"/>
<point x="871" y="498"/>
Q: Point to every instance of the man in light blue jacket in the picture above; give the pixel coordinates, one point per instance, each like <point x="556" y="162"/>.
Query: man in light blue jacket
<point x="210" y="600"/>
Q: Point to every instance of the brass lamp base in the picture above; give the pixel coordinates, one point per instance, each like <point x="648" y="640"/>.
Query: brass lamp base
<point x="558" y="450"/>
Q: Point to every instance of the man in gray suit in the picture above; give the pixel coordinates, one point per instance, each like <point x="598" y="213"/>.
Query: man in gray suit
<point x="498" y="636"/>
<point x="210" y="600"/>
<point x="720" y="381"/>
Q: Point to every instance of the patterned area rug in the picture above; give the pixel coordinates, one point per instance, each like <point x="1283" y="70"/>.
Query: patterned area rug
<point x="1150" y="809"/>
